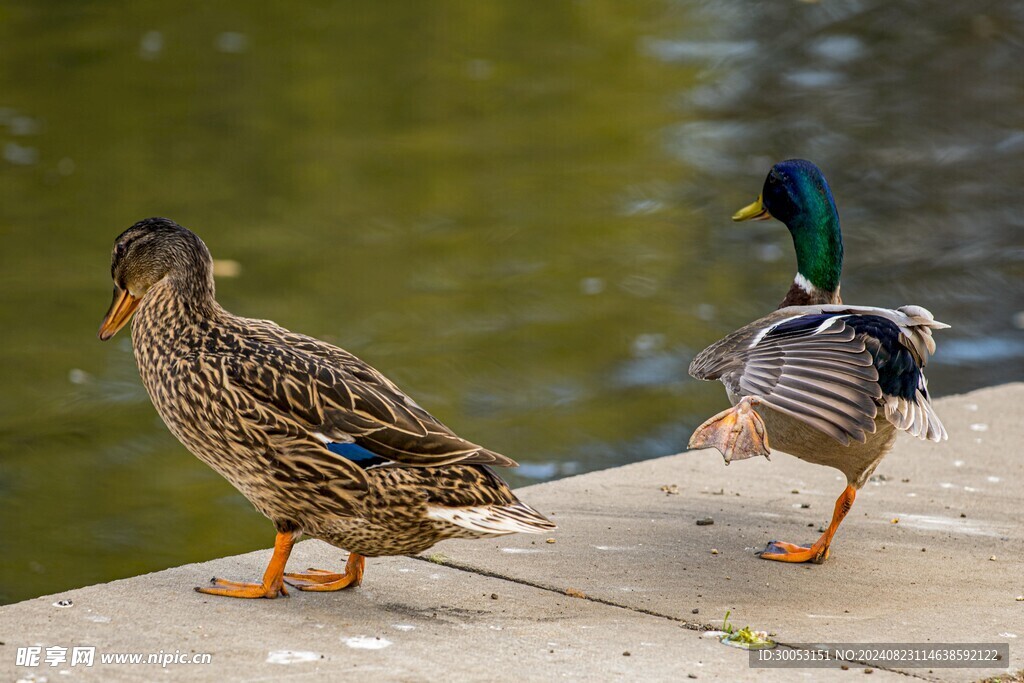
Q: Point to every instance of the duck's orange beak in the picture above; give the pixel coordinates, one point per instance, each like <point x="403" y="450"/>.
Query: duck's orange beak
<point x="121" y="309"/>
<point x="752" y="212"/>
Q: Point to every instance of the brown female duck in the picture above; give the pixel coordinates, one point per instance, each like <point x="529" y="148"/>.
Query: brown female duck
<point x="317" y="440"/>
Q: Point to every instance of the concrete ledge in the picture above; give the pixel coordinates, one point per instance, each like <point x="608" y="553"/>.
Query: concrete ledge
<point x="630" y="572"/>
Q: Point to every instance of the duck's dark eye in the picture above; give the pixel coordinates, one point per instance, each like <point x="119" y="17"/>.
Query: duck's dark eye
<point x="120" y="249"/>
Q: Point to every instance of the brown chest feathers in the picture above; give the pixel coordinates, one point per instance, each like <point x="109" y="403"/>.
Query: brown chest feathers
<point x="806" y="294"/>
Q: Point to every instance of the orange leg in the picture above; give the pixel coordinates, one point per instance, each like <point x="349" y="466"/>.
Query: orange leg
<point x="737" y="433"/>
<point x="320" y="580"/>
<point x="817" y="553"/>
<point x="273" y="581"/>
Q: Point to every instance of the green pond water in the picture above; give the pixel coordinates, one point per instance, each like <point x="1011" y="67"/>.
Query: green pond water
<point x="518" y="211"/>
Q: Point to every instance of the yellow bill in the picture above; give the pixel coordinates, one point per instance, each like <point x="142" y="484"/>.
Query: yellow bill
<point x="752" y="212"/>
<point x="121" y="309"/>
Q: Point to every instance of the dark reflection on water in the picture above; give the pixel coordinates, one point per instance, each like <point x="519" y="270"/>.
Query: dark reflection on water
<point x="518" y="211"/>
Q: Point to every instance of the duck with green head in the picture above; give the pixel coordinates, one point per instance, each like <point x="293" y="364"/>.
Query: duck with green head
<point x="829" y="383"/>
<point x="796" y="193"/>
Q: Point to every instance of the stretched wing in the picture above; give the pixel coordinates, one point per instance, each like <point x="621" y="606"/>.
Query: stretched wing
<point x="832" y="367"/>
<point x="901" y="359"/>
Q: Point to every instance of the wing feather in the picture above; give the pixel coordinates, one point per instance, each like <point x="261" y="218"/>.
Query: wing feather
<point x="814" y="364"/>
<point x="316" y="388"/>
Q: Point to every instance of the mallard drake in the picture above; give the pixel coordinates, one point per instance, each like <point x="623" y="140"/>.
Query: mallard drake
<point x="828" y="383"/>
<point x="316" y="439"/>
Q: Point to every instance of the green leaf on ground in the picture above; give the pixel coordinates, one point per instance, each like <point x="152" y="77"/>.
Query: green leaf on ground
<point x="745" y="638"/>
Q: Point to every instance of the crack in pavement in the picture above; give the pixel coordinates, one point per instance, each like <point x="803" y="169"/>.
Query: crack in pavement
<point x="579" y="595"/>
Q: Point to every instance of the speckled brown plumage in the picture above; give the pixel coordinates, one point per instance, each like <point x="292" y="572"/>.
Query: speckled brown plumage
<point x="263" y="406"/>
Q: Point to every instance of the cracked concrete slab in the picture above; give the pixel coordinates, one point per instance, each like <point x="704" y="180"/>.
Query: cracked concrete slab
<point x="931" y="551"/>
<point x="639" y="566"/>
<point x="411" y="620"/>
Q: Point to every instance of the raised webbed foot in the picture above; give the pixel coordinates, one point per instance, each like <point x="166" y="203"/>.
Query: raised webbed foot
<point x="738" y="433"/>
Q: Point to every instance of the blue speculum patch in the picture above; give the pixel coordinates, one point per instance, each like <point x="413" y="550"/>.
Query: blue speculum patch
<point x="357" y="454"/>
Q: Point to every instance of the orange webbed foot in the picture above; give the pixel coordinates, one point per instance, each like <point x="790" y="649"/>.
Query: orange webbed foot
<point x="242" y="589"/>
<point x="323" y="581"/>
<point x="780" y="551"/>
<point x="738" y="433"/>
<point x="272" y="584"/>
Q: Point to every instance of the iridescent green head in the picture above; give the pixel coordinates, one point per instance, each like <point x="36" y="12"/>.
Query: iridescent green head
<point x="796" y="193"/>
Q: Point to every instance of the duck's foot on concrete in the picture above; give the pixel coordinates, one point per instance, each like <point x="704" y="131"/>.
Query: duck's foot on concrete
<point x="780" y="551"/>
<point x="320" y="580"/>
<point x="242" y="589"/>
<point x="273" y="578"/>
